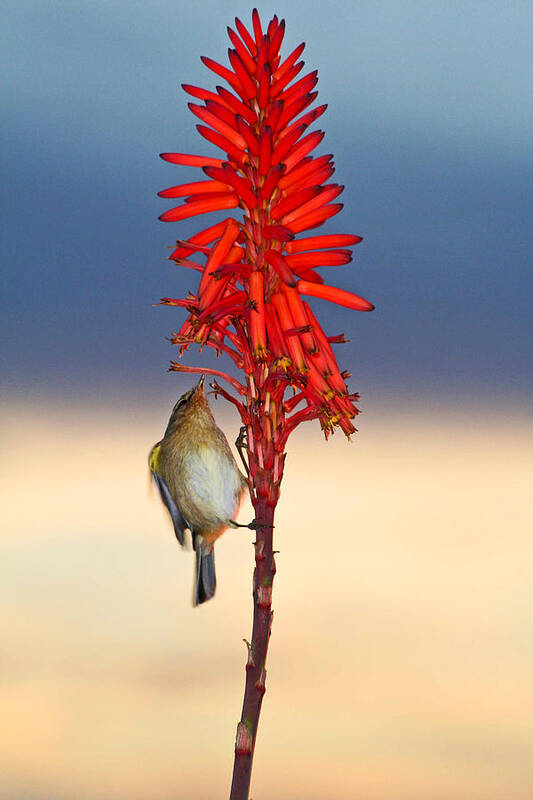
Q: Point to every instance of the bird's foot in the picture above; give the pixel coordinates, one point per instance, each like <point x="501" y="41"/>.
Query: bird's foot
<point x="241" y="443"/>
<point x="253" y="525"/>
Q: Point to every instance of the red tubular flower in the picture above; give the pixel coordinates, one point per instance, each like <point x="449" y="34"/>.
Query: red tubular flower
<point x="255" y="272"/>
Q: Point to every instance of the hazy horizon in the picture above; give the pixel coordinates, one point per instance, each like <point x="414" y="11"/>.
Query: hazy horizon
<point x="400" y="665"/>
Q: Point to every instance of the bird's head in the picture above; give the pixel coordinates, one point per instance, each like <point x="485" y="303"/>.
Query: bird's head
<point x="192" y="401"/>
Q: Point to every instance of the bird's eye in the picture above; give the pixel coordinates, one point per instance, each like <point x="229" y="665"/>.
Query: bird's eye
<point x="184" y="399"/>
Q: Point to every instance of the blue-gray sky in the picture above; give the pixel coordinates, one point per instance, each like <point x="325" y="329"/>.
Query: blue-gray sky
<point x="429" y="118"/>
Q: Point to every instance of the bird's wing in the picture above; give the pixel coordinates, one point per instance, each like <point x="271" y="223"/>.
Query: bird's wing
<point x="179" y="523"/>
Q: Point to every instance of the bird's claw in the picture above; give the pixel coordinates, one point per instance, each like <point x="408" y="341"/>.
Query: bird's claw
<point x="241" y="443"/>
<point x="256" y="523"/>
<point x="253" y="525"/>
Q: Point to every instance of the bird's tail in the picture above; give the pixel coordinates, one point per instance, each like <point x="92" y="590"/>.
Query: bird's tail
<point x="206" y="580"/>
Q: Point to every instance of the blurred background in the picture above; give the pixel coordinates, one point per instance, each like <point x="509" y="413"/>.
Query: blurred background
<point x="400" y="665"/>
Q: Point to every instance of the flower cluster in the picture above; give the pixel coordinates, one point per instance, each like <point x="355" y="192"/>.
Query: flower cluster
<point x="255" y="272"/>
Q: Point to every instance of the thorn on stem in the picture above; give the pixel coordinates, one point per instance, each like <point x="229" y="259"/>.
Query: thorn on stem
<point x="250" y="663"/>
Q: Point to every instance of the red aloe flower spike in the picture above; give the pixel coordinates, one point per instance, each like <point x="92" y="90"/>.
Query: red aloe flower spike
<point x="318" y="381"/>
<point x="315" y="218"/>
<point x="191" y="247"/>
<point x="322" y="242"/>
<point x="247" y="135"/>
<point x="347" y="428"/>
<point x="199" y="187"/>
<point x="339" y="296"/>
<point x="317" y="176"/>
<point x="277" y="261"/>
<point x="290" y="404"/>
<point x="292" y="344"/>
<point x="292" y="109"/>
<point x="215" y="173"/>
<point x="324" y="258"/>
<point x="221" y="308"/>
<point x="264" y="85"/>
<point x="190" y="161"/>
<point x="265" y="150"/>
<point x="219" y="253"/>
<point x="256" y="22"/>
<point x="218" y="203"/>
<point x="256" y="316"/>
<point x="235" y="104"/>
<point x="292" y="422"/>
<point x="220" y="347"/>
<point x="276" y="339"/>
<point x="225" y="144"/>
<point x="308" y="274"/>
<point x="321" y="198"/>
<point x="276" y="38"/>
<point x="195" y="198"/>
<point x="305" y="146"/>
<point x="262" y="55"/>
<point x="301" y="87"/>
<point x="322" y="339"/>
<point x="297" y="310"/>
<point x="204" y="94"/>
<point x="247" y="39"/>
<point x="227" y="74"/>
<point x="242" y="74"/>
<point x="273" y="114"/>
<point x="289" y="61"/>
<point x="214" y="289"/>
<point x="334" y="379"/>
<point x="239" y="271"/>
<point x="215" y="122"/>
<point x="272" y="28"/>
<point x="271" y="181"/>
<point x="240" y="185"/>
<point x="202" y="238"/>
<point x="306" y="166"/>
<point x="306" y="120"/>
<point x="189" y="304"/>
<point x="277" y="232"/>
<point x="284" y="145"/>
<point x="281" y="81"/>
<point x="244" y="55"/>
<point x="222" y="329"/>
<point x="294" y="200"/>
<point x="221" y="110"/>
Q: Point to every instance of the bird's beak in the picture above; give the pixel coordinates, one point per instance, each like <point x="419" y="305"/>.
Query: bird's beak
<point x="201" y="382"/>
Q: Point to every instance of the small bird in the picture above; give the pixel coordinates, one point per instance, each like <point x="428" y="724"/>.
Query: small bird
<point x="199" y="481"/>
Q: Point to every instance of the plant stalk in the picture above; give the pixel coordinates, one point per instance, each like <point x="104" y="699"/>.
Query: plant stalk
<point x="265" y="569"/>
